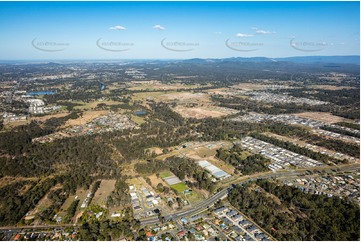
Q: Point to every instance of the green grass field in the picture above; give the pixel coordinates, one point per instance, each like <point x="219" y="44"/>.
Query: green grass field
<point x="137" y="120"/>
<point x="180" y="187"/>
<point x="205" y="152"/>
<point x="165" y="174"/>
<point x="245" y="154"/>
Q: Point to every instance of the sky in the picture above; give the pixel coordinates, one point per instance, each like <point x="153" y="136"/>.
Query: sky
<point x="177" y="30"/>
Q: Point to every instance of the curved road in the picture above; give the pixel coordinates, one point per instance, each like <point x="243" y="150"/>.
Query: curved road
<point x="204" y="205"/>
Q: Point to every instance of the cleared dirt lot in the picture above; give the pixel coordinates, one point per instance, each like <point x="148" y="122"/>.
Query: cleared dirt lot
<point x="155" y="181"/>
<point x="203" y="112"/>
<point x="323" y="117"/>
<point x="44" y="118"/>
<point x="6" y="180"/>
<point x="43" y="204"/>
<point x="187" y="97"/>
<point x="157" y="85"/>
<point x="106" y="187"/>
<point x="87" y="117"/>
<point x="249" y="86"/>
<point x="330" y="87"/>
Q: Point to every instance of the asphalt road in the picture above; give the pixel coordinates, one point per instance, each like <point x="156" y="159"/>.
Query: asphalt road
<point x="200" y="207"/>
<point x="51" y="226"/>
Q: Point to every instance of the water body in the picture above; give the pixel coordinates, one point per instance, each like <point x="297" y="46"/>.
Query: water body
<point x="40" y="93"/>
<point x="102" y="86"/>
<point x="140" y="112"/>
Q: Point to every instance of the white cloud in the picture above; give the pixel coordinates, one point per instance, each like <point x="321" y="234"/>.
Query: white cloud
<point x="243" y="35"/>
<point x="158" y="27"/>
<point x="260" y="31"/>
<point x="217" y="32"/>
<point x="118" y="27"/>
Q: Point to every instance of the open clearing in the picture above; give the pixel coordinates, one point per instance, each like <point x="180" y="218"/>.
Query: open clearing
<point x="157" y="85"/>
<point x="44" y="203"/>
<point x="6" y="180"/>
<point x="80" y="194"/>
<point x="136" y="119"/>
<point x="155" y="181"/>
<point x="196" y="148"/>
<point x="157" y="96"/>
<point x="156" y="150"/>
<point x="330" y="87"/>
<point x="44" y="118"/>
<point x="11" y="125"/>
<point x="106" y="187"/>
<point x="165" y="174"/>
<point x="87" y="117"/>
<point x="219" y="91"/>
<point x="249" y="86"/>
<point x="323" y="117"/>
<point x="86" y="106"/>
<point x="187" y="97"/>
<point x="203" y="112"/>
<point x="179" y="187"/>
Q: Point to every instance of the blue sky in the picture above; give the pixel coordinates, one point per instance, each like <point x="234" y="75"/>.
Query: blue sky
<point x="163" y="30"/>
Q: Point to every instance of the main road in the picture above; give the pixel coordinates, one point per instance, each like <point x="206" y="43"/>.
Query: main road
<point x="205" y="204"/>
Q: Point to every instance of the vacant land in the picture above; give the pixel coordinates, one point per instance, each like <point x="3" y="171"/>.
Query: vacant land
<point x="87" y="106"/>
<point x="157" y="85"/>
<point x="249" y="86"/>
<point x="85" y="118"/>
<point x="323" y="117"/>
<point x="156" y="96"/>
<point x="165" y="174"/>
<point x="8" y="180"/>
<point x="330" y="87"/>
<point x="11" y="125"/>
<point x="43" y="204"/>
<point x="154" y="180"/>
<point x="106" y="187"/>
<point x="219" y="91"/>
<point x="44" y="118"/>
<point x="187" y="97"/>
<point x="80" y="194"/>
<point x="179" y="187"/>
<point x="136" y="119"/>
<point x="156" y="150"/>
<point x="203" y="112"/>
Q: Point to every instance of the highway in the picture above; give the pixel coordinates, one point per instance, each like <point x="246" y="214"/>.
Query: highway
<point x="202" y="206"/>
<point x="50" y="226"/>
<point x="205" y="204"/>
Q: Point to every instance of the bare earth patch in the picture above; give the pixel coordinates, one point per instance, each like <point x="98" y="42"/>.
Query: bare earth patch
<point x="6" y="180"/>
<point x="106" y="187"/>
<point x="87" y="117"/>
<point x="155" y="181"/>
<point x="249" y="86"/>
<point x="323" y="117"/>
<point x="44" y="118"/>
<point x="330" y="87"/>
<point x="156" y="150"/>
<point x="187" y="96"/>
<point x="203" y="112"/>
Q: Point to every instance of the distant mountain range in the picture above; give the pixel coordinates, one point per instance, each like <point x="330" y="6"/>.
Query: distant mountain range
<point x="325" y="60"/>
<point x="352" y="59"/>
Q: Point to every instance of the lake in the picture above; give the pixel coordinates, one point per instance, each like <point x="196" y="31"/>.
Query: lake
<point x="140" y="112"/>
<point x="40" y="93"/>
